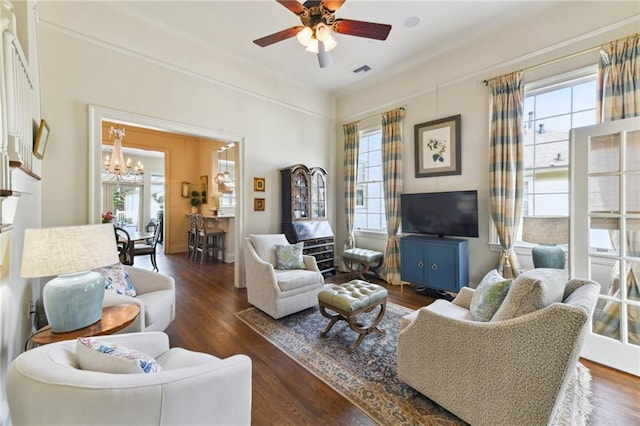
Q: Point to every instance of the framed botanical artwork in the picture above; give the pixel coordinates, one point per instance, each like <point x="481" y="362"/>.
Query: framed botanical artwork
<point x="258" y="184"/>
<point x="437" y="147"/>
<point x="40" y="143"/>
<point x="258" y="204"/>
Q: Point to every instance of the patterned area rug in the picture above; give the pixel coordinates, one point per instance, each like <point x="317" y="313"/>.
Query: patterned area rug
<point x="367" y="377"/>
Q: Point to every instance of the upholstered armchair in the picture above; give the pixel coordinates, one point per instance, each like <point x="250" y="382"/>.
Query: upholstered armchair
<point x="155" y="296"/>
<point x="511" y="370"/>
<point x="45" y="385"/>
<point x="278" y="292"/>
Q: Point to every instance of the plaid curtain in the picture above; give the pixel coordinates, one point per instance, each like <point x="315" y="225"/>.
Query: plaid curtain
<point x="618" y="98"/>
<point x="351" y="145"/>
<point x="619" y="79"/>
<point x="506" y="172"/>
<point x="392" y="181"/>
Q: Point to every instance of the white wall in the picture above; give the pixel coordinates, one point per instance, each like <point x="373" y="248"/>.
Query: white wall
<point x="451" y="84"/>
<point x="77" y="71"/>
<point x="280" y="125"/>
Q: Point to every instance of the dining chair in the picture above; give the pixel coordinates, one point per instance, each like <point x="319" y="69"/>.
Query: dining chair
<point x="149" y="248"/>
<point x="124" y="244"/>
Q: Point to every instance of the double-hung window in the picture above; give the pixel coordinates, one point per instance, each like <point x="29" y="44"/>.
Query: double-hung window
<point x="370" y="215"/>
<point x="553" y="107"/>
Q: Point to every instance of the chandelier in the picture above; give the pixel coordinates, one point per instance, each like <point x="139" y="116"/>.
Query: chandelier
<point x="115" y="167"/>
<point x="224" y="178"/>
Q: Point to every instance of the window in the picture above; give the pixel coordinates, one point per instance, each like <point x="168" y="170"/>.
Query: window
<point x="370" y="213"/>
<point x="551" y="108"/>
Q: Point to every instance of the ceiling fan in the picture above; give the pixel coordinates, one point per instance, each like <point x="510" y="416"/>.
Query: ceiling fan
<point x="318" y="21"/>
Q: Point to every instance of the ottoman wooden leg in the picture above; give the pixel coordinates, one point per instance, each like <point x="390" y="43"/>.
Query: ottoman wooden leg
<point x="334" y="318"/>
<point x="364" y="331"/>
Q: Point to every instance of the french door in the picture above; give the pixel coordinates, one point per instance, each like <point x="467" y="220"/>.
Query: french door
<point x="605" y="202"/>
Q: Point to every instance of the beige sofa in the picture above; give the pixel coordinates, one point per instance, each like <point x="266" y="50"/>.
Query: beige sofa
<point x="45" y="386"/>
<point x="506" y="371"/>
<point x="278" y="292"/>
<point x="155" y="296"/>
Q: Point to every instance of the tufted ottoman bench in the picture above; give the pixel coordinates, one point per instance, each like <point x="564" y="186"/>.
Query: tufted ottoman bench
<point x="349" y="300"/>
<point x="360" y="260"/>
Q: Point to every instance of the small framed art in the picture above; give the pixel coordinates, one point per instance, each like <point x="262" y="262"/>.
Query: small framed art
<point x="258" y="204"/>
<point x="40" y="143"/>
<point x="258" y="184"/>
<point x="437" y="147"/>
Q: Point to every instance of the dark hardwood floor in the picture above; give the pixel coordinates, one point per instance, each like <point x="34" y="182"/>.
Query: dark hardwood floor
<point x="285" y="393"/>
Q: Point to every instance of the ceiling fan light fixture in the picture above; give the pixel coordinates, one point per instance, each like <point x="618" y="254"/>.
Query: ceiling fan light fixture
<point x="313" y="46"/>
<point x="329" y="44"/>
<point x="304" y="36"/>
<point x="323" y="32"/>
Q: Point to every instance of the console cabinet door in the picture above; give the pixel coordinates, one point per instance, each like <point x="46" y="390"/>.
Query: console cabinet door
<point x="412" y="265"/>
<point x="442" y="271"/>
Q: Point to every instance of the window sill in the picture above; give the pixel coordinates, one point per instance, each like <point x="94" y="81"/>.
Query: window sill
<point x="371" y="233"/>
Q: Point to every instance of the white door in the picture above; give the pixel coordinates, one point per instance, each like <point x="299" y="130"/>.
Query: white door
<point x="605" y="236"/>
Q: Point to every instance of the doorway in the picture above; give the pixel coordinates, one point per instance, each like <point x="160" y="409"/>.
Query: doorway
<point x="98" y="115"/>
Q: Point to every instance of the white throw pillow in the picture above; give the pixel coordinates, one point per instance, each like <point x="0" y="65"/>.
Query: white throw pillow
<point x="105" y="357"/>
<point x="117" y="279"/>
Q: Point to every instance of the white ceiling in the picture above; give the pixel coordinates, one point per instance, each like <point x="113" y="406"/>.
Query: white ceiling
<point x="231" y="26"/>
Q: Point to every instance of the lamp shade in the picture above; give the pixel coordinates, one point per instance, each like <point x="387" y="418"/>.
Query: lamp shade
<point x="68" y="249"/>
<point x="73" y="300"/>
<point x="545" y="229"/>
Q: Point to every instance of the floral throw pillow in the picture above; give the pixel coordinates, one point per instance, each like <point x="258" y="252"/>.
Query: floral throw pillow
<point x="489" y="295"/>
<point x="117" y="279"/>
<point x="106" y="357"/>
<point x="289" y="256"/>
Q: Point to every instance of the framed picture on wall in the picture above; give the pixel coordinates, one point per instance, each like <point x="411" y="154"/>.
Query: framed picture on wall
<point x="258" y="184"/>
<point x="204" y="188"/>
<point x="258" y="204"/>
<point x="437" y="147"/>
<point x="40" y="143"/>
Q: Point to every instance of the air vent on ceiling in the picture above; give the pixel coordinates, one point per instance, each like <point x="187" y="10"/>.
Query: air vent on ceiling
<point x="364" y="68"/>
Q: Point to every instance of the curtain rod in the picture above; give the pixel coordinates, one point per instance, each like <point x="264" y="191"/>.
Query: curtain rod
<point x="375" y="115"/>
<point x="552" y="61"/>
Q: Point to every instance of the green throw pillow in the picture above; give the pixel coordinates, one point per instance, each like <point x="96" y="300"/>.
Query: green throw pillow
<point x="289" y="256"/>
<point x="489" y="296"/>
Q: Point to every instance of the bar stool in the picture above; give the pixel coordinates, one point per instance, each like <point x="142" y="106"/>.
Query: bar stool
<point x="191" y="237"/>
<point x="209" y="241"/>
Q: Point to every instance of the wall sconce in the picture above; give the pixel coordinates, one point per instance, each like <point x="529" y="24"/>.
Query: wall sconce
<point x="185" y="190"/>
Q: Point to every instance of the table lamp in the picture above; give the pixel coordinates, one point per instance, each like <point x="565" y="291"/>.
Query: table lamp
<point x="73" y="300"/>
<point x="547" y="231"/>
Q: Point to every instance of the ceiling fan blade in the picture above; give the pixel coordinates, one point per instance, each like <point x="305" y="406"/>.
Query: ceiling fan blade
<point x="332" y="5"/>
<point x="362" y="29"/>
<point x="293" y="6"/>
<point x="279" y="36"/>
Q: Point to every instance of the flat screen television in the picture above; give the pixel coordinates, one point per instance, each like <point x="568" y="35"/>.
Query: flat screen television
<point x="441" y="213"/>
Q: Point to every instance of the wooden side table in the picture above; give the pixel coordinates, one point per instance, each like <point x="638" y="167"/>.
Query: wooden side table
<point x="114" y="319"/>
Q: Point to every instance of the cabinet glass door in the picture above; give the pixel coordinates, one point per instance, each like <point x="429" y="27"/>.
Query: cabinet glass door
<point x="300" y="195"/>
<point x="318" y="202"/>
<point x="605" y="236"/>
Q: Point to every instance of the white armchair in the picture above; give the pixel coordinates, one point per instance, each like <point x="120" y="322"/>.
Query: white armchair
<point x="46" y="386"/>
<point x="275" y="291"/>
<point x="155" y="296"/>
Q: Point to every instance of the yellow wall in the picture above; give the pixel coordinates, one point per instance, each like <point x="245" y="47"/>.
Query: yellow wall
<point x="186" y="159"/>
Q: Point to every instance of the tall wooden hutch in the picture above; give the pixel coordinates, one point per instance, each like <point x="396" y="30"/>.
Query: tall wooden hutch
<point x="304" y="213"/>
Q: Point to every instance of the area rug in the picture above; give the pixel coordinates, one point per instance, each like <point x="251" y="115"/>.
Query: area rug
<point x="367" y="377"/>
